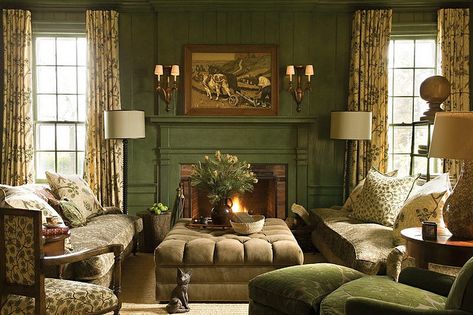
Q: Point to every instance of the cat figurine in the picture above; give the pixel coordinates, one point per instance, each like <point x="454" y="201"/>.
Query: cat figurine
<point x="179" y="302"/>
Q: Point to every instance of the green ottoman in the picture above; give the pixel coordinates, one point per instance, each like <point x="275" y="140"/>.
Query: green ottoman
<point x="298" y="289"/>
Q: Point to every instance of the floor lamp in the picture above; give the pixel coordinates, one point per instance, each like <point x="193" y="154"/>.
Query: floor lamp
<point x="349" y="126"/>
<point x="124" y="124"/>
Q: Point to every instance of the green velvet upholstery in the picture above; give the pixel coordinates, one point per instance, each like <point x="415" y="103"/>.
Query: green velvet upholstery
<point x="298" y="289"/>
<point x="381" y="288"/>
<point x="461" y="294"/>
<point x="427" y="280"/>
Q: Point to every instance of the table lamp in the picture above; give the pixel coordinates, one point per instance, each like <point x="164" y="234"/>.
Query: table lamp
<point x="452" y="139"/>
<point x="350" y="126"/>
<point x="124" y="124"/>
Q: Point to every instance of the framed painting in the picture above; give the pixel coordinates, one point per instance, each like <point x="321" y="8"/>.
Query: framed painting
<point x="239" y="80"/>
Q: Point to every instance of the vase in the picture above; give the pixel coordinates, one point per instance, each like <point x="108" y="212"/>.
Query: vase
<point x="458" y="209"/>
<point x="221" y="212"/>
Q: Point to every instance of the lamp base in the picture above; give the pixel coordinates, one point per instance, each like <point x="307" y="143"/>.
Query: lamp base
<point x="458" y="209"/>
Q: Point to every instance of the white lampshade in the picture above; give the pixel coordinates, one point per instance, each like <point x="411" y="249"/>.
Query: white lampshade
<point x="350" y="125"/>
<point x="309" y="70"/>
<point x="158" y="70"/>
<point x="452" y="137"/>
<point x="290" y="70"/>
<point x="124" y="124"/>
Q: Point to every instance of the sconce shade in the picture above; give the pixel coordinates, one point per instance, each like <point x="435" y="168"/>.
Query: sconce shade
<point x="175" y="70"/>
<point x="158" y="70"/>
<point x="290" y="70"/>
<point x="309" y="70"/>
<point x="350" y="125"/>
<point x="452" y="136"/>
<point x="124" y="124"/>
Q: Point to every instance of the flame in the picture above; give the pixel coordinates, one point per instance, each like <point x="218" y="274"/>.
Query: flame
<point x="237" y="206"/>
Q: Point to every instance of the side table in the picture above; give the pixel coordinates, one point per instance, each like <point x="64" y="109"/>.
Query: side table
<point x="55" y="245"/>
<point x="155" y="229"/>
<point x="446" y="250"/>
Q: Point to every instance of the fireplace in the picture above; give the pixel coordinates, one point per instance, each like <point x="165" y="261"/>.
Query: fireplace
<point x="269" y="196"/>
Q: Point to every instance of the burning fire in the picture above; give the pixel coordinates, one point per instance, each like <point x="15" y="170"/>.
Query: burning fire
<point x="237" y="206"/>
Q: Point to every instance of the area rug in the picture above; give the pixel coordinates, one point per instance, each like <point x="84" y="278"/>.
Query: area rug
<point x="196" y="309"/>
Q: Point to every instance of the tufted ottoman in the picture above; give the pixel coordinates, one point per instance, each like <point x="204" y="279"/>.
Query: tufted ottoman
<point x="222" y="262"/>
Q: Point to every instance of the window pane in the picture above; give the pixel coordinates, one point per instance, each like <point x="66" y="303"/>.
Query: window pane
<point x="402" y="110"/>
<point x="402" y="164"/>
<point x="420" y="136"/>
<point x="44" y="162"/>
<point x="391" y="54"/>
<point x="420" y="106"/>
<point x="67" y="107"/>
<point x="436" y="166"/>
<point x="66" y="77"/>
<point x="45" y="79"/>
<point x="425" y="53"/>
<point x="421" y="75"/>
<point x="82" y="107"/>
<point x="81" y="80"/>
<point x="66" y="51"/>
<point x="66" y="137"/>
<point x="80" y="163"/>
<point x="66" y="162"/>
<point x="390" y="140"/>
<point x="403" y="82"/>
<point x="46" y="107"/>
<point x="404" y="53"/>
<point x="402" y="139"/>
<point x="81" y="137"/>
<point x="420" y="165"/>
<point x="81" y="51"/>
<point x="390" y="81"/>
<point x="44" y="137"/>
<point x="45" y="51"/>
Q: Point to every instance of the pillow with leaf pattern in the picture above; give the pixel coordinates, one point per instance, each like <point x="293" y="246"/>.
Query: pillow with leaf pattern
<point x="356" y="192"/>
<point x="382" y="197"/>
<point x="74" y="189"/>
<point x="425" y="204"/>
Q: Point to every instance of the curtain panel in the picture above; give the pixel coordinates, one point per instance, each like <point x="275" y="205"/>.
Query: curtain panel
<point x="453" y="39"/>
<point x="104" y="158"/>
<point x="17" y="129"/>
<point x="368" y="91"/>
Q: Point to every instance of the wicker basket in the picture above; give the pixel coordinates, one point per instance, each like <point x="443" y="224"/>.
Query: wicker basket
<point x="249" y="228"/>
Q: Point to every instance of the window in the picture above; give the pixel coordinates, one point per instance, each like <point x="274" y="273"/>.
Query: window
<point x="59" y="103"/>
<point x="411" y="61"/>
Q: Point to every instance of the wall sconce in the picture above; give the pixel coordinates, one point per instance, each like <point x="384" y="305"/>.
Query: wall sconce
<point x="167" y="88"/>
<point x="298" y="91"/>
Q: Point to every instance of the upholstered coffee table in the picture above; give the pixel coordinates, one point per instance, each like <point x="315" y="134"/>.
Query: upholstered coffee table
<point x="222" y="262"/>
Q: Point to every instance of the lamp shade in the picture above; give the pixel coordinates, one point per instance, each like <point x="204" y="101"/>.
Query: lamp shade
<point x="452" y="136"/>
<point x="350" y="125"/>
<point x="124" y="124"/>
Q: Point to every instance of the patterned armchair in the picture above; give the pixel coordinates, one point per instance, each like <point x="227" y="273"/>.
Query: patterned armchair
<point x="23" y="287"/>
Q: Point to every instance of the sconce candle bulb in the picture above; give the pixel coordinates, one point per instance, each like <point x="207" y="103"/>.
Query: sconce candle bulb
<point x="167" y="90"/>
<point x="298" y="91"/>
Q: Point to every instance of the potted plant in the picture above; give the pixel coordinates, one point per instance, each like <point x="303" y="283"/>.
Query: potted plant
<point x="222" y="176"/>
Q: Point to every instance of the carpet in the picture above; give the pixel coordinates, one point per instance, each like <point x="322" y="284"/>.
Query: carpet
<point x="196" y="309"/>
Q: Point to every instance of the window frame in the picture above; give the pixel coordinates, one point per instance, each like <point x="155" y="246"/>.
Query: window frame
<point x="391" y="125"/>
<point x="75" y="123"/>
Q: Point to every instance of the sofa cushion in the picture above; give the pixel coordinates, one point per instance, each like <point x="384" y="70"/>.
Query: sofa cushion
<point x="425" y="204"/>
<point x="382" y="197"/>
<point x="359" y="245"/>
<point x="66" y="298"/>
<point x="101" y="230"/>
<point x="356" y="192"/>
<point x="299" y="289"/>
<point x="76" y="190"/>
<point x="382" y="289"/>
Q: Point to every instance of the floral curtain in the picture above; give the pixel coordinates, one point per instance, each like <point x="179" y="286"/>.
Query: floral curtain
<point x="17" y="129"/>
<point x="104" y="158"/>
<point x="453" y="39"/>
<point x="368" y="91"/>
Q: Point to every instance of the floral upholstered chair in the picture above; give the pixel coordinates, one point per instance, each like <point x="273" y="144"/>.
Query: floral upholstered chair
<point x="23" y="287"/>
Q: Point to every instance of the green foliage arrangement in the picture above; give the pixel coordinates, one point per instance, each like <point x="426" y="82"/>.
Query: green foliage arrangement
<point x="222" y="176"/>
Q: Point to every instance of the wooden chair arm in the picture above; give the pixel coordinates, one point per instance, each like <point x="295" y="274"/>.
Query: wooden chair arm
<point x="117" y="249"/>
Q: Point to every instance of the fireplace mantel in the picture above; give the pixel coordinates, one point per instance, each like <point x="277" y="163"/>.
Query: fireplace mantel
<point x="256" y="139"/>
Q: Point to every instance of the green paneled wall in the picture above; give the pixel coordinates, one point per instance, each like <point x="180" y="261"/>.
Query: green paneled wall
<point x="309" y="37"/>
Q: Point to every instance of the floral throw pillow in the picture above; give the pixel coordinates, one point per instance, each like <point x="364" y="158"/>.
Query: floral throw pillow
<point x="355" y="193"/>
<point x="21" y="198"/>
<point x="426" y="204"/>
<point x="382" y="197"/>
<point x="75" y="189"/>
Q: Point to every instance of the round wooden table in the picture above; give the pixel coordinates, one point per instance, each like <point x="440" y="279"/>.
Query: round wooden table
<point x="446" y="250"/>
